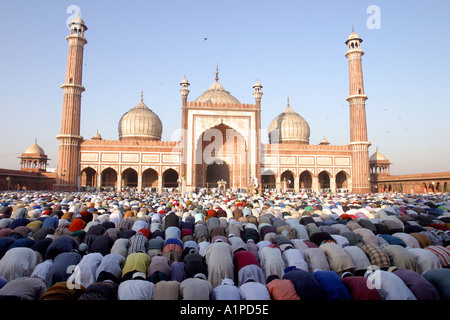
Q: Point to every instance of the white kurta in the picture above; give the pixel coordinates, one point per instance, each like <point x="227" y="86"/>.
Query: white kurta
<point x="389" y="285"/>
<point x="226" y="291"/>
<point x="17" y="262"/>
<point x="294" y="258"/>
<point x="196" y="289"/>
<point x="359" y="258"/>
<point x="41" y="270"/>
<point x="85" y="271"/>
<point x="254" y="291"/>
<point x="272" y="262"/>
<point x="219" y="258"/>
<point x="136" y="290"/>
<point x="426" y="260"/>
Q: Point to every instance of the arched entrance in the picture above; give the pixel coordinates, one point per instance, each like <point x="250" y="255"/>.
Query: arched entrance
<point x="324" y="181"/>
<point x="287" y="180"/>
<point x="109" y="178"/>
<point x="217" y="172"/>
<point x="268" y="180"/>
<point x="170" y="179"/>
<point x="129" y="178"/>
<point x="305" y="181"/>
<point x="149" y="179"/>
<point x="431" y="187"/>
<point x="341" y="182"/>
<point x="221" y="145"/>
<point x="88" y="177"/>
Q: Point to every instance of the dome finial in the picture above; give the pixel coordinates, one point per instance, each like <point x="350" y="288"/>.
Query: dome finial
<point x="288" y="102"/>
<point x="217" y="73"/>
<point x="142" y="95"/>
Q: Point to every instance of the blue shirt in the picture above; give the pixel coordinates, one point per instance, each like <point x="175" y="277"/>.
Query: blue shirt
<point x="332" y="284"/>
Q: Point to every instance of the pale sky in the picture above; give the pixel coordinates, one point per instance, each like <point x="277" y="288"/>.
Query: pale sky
<point x="293" y="47"/>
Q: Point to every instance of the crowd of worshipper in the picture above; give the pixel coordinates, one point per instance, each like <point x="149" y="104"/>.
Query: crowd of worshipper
<point x="223" y="246"/>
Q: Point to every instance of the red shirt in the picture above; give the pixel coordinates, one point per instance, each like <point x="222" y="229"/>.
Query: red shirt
<point x="244" y="258"/>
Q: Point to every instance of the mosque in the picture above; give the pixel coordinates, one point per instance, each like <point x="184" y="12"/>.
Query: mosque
<point x="220" y="144"/>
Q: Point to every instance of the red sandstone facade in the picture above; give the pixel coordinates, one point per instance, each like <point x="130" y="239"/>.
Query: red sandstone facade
<point x="383" y="181"/>
<point x="25" y="180"/>
<point x="33" y="173"/>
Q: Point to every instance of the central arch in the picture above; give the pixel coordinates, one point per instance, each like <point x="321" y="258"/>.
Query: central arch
<point x="170" y="178"/>
<point x="150" y="178"/>
<point x="217" y="146"/>
<point x="216" y="172"/>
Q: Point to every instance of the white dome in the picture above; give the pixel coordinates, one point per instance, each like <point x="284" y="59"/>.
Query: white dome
<point x="377" y="156"/>
<point x="35" y="149"/>
<point x="140" y="123"/>
<point x="217" y="94"/>
<point x="353" y="35"/>
<point x="289" y="126"/>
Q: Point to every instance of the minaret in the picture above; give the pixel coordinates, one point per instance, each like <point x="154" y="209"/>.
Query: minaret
<point x="184" y="95"/>
<point x="359" y="143"/>
<point x="257" y="93"/>
<point x="68" y="171"/>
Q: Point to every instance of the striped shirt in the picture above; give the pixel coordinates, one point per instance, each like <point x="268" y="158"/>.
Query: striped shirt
<point x="442" y="253"/>
<point x="138" y="243"/>
<point x="111" y="263"/>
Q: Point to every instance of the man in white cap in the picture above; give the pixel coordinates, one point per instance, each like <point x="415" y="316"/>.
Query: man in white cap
<point x="252" y="290"/>
<point x="137" y="288"/>
<point x="196" y="288"/>
<point x="226" y="291"/>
